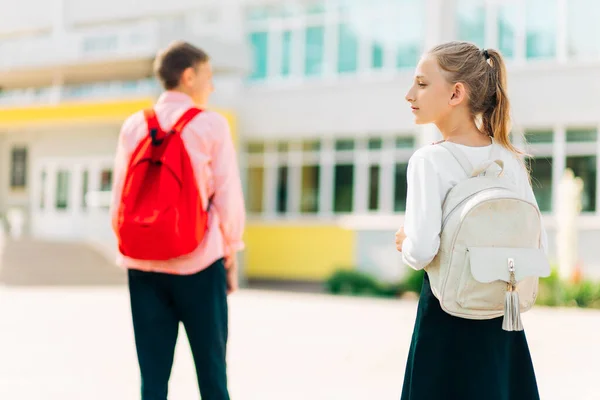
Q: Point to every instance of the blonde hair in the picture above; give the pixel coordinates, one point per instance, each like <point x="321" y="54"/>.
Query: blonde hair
<point x="484" y="74"/>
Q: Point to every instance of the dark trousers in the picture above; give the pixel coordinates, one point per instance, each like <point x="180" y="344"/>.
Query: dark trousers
<point x="159" y="302"/>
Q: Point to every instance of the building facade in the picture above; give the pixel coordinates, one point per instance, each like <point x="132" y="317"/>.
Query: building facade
<point x="315" y="90"/>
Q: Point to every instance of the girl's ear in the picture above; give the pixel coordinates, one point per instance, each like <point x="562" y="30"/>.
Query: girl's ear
<point x="459" y="94"/>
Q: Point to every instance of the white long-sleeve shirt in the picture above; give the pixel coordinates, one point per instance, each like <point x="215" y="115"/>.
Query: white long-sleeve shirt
<point x="432" y="172"/>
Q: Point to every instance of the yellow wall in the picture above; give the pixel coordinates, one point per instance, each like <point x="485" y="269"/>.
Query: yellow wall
<point x="297" y="251"/>
<point x="82" y="112"/>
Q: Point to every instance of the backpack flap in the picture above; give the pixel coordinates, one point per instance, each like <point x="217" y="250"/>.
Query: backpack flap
<point x="489" y="264"/>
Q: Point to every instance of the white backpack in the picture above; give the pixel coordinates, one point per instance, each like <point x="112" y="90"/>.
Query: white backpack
<point x="490" y="257"/>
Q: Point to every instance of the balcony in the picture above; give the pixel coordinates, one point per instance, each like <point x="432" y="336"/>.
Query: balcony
<point x="110" y="52"/>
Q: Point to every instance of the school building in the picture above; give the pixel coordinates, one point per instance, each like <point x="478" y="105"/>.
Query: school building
<point x="314" y="91"/>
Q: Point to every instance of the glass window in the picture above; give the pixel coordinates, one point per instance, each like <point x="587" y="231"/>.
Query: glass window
<point x="541" y="27"/>
<point x="582" y="135"/>
<point x="347" y="49"/>
<point x="311" y="145"/>
<point x="43" y="190"/>
<point x="344" y="144"/>
<point x="283" y="147"/>
<point x="541" y="181"/>
<point x="255" y="147"/>
<point x="315" y="48"/>
<point x="344" y="188"/>
<point x="106" y="180"/>
<point x="374" y="171"/>
<point x="507" y="17"/>
<point x="259" y="47"/>
<point x="400" y="187"/>
<point x="309" y="200"/>
<point x="585" y="168"/>
<point x="470" y="21"/>
<point x="405" y="142"/>
<point x="541" y="136"/>
<point x="375" y="143"/>
<point x="377" y="56"/>
<point x="255" y="189"/>
<point x="583" y="28"/>
<point x="62" y="189"/>
<point x="286" y="53"/>
<point x="18" y="168"/>
<point x="282" y="189"/>
<point x="85" y="187"/>
<point x="409" y="22"/>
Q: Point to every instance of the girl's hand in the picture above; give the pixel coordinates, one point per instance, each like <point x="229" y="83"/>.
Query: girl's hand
<point x="400" y="236"/>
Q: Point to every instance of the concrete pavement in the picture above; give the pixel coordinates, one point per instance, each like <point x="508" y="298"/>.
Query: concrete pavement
<point x="75" y="343"/>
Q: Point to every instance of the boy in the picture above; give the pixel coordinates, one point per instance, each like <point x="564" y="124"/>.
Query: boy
<point x="191" y="288"/>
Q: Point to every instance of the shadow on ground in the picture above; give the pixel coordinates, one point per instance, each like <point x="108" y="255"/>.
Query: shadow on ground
<point x="28" y="262"/>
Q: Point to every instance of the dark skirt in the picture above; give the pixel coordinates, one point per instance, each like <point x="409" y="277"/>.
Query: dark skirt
<point x="454" y="358"/>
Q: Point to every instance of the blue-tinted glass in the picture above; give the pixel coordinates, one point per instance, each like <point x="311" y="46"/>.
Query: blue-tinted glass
<point x="286" y="53"/>
<point x="541" y="28"/>
<point x="470" y="21"/>
<point x="347" y="49"/>
<point x="315" y="42"/>
<point x="377" y="54"/>
<point x="259" y="42"/>
<point x="583" y="26"/>
<point x="507" y="17"/>
<point x="410" y="24"/>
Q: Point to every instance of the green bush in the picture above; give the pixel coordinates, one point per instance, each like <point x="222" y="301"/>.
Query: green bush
<point x="553" y="291"/>
<point x="357" y="283"/>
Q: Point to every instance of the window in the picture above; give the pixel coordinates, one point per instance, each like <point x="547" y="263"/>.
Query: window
<point x="62" y="189"/>
<point x="282" y="189"/>
<point x="541" y="28"/>
<point x="539" y="136"/>
<point x="258" y="43"/>
<point x="583" y="28"/>
<point x="85" y="187"/>
<point x="585" y="168"/>
<point x="581" y="135"/>
<point x="343" y="188"/>
<point x="374" y="187"/>
<point x="400" y="187"/>
<point x="18" y="168"/>
<point x="314" y="50"/>
<point x="286" y="53"/>
<point x="347" y="49"/>
<point x="409" y="22"/>
<point x="507" y="17"/>
<point x="309" y="200"/>
<point x="344" y="144"/>
<point x="470" y="21"/>
<point x="255" y="189"/>
<point x="375" y="143"/>
<point x="405" y="142"/>
<point x="541" y="181"/>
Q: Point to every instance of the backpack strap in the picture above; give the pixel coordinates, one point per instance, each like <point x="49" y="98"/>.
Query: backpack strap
<point x="185" y="118"/>
<point x="154" y="129"/>
<point x="460" y="157"/>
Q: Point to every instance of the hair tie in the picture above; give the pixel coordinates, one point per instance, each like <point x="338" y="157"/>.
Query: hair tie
<point x="486" y="54"/>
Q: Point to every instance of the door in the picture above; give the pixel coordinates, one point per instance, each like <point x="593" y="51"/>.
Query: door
<point x="71" y="198"/>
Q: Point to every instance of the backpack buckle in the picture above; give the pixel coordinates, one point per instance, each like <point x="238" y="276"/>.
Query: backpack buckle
<point x="153" y="135"/>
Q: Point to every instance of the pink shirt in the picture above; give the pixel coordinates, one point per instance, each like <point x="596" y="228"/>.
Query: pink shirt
<point x="208" y="141"/>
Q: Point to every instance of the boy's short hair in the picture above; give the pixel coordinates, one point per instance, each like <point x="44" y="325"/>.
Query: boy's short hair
<point x="176" y="58"/>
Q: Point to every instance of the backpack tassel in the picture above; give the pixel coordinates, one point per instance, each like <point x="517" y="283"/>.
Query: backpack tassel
<point x="512" y="312"/>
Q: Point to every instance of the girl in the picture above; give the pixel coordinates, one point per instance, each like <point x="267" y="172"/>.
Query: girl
<point x="462" y="90"/>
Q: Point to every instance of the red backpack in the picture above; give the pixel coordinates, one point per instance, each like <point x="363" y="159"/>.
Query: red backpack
<point x="161" y="215"/>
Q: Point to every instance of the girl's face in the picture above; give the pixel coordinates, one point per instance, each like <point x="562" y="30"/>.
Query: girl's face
<point x="431" y="96"/>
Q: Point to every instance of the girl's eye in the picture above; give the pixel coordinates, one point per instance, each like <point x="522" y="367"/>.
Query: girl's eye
<point x="422" y="84"/>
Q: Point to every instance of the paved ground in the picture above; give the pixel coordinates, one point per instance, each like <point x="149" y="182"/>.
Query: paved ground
<point x="75" y="343"/>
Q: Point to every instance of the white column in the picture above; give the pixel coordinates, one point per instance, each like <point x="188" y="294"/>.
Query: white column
<point x="330" y="56"/>
<point x="520" y="33"/>
<point x="558" y="162"/>
<point x="438" y="17"/>
<point x="561" y="30"/>
<point x="491" y="25"/>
